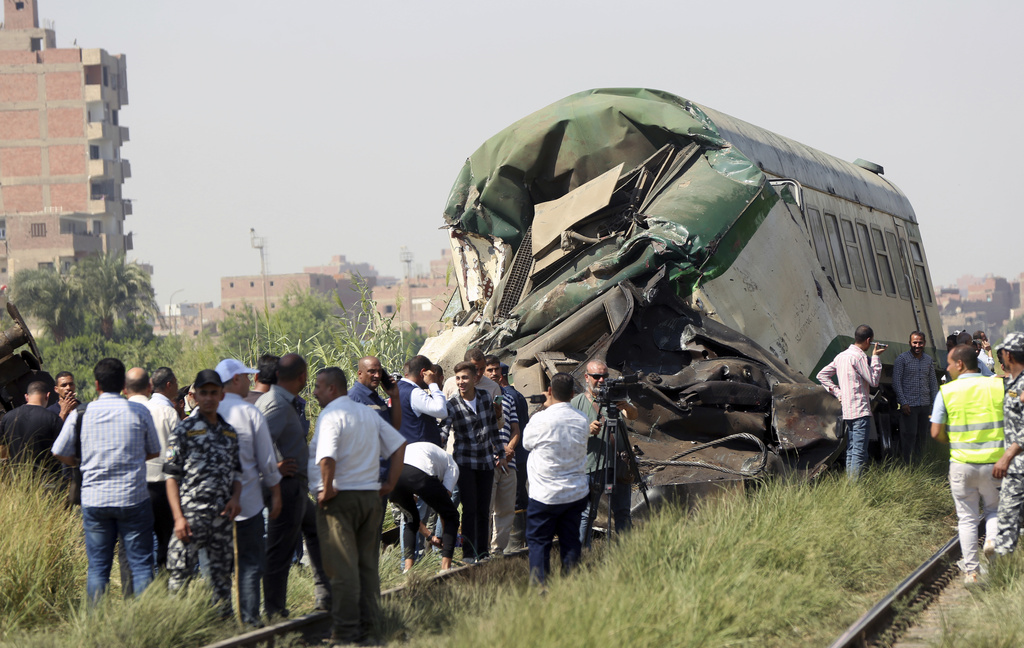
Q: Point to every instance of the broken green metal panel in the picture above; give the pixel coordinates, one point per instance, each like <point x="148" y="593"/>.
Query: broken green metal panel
<point x="561" y="147"/>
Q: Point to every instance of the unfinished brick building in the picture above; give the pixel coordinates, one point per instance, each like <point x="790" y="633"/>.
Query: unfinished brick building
<point x="60" y="147"/>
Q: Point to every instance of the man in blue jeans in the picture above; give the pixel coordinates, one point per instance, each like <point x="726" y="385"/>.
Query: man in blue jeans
<point x="856" y="377"/>
<point x="589" y="404"/>
<point x="115" y="440"/>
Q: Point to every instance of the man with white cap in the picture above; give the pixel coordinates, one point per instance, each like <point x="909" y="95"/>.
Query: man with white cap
<point x="257" y="457"/>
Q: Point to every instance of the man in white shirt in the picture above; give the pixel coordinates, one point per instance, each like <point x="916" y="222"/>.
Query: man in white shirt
<point x="556" y="438"/>
<point x="344" y="474"/>
<point x="430" y="473"/>
<point x="257" y="456"/>
<point x="165" y="417"/>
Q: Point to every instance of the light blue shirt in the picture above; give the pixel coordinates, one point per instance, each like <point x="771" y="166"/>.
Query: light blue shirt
<point x="116" y="437"/>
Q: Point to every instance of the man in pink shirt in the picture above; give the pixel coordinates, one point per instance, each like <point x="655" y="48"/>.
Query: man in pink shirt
<point x="856" y="377"/>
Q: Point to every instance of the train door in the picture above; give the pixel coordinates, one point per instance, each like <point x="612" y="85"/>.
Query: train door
<point x="912" y="261"/>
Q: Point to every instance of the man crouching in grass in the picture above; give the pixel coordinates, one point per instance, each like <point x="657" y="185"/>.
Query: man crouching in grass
<point x="202" y="455"/>
<point x="557" y="441"/>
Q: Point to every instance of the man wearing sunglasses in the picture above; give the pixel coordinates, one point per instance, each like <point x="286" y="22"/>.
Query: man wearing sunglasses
<point x="590" y="405"/>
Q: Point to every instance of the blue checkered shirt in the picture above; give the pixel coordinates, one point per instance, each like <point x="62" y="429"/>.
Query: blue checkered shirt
<point x="116" y="437"/>
<point x="914" y="380"/>
<point x="477" y="439"/>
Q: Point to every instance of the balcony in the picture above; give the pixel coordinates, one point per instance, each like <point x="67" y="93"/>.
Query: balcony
<point x="97" y="130"/>
<point x="126" y="169"/>
<point x="126" y="205"/>
<point x="124" y="133"/>
<point x="101" y="168"/>
<point x="99" y="204"/>
<point x="85" y="243"/>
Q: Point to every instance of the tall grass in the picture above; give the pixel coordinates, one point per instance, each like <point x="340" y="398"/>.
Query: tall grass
<point x="41" y="552"/>
<point x="786" y="565"/>
<point x="993" y="616"/>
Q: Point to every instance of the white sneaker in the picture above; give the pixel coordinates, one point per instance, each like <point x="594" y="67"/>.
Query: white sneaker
<point x="989" y="549"/>
<point x="971" y="578"/>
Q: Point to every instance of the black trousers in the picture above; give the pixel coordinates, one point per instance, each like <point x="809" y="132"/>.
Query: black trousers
<point x="297" y="518"/>
<point x="163" y="520"/>
<point x="415" y="482"/>
<point x="475" y="490"/>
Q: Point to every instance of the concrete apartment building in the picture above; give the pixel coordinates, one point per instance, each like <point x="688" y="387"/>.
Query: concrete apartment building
<point x="419" y="301"/>
<point x="60" y="139"/>
<point x="238" y="292"/>
<point x="987" y="303"/>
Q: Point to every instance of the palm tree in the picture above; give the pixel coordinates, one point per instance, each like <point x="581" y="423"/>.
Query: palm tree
<point x="113" y="291"/>
<point x="50" y="298"/>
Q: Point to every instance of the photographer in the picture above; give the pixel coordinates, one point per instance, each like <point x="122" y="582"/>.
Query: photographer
<point x="556" y="438"/>
<point x="589" y="404"/>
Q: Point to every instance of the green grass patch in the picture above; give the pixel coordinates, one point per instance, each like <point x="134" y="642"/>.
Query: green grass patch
<point x="993" y="616"/>
<point x="784" y="565"/>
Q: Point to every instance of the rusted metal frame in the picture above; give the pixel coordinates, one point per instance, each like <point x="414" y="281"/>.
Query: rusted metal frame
<point x="881" y="615"/>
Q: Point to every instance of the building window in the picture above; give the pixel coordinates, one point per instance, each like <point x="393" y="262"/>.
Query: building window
<point x="271" y="283"/>
<point x="232" y="305"/>
<point x="39" y="229"/>
<point x="46" y="266"/>
<point x="113" y="117"/>
<point x="252" y="284"/>
<point x="232" y="285"/>
<point x="273" y="305"/>
<point x="106" y="78"/>
<point x="94" y="152"/>
<point x="389" y="309"/>
<point x="97" y="227"/>
<point x="19" y="5"/>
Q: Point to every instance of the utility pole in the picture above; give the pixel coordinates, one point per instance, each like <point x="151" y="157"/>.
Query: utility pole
<point x="260" y="243"/>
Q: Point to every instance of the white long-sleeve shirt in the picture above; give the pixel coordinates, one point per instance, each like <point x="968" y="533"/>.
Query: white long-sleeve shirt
<point x="428" y="403"/>
<point x="255" y="452"/>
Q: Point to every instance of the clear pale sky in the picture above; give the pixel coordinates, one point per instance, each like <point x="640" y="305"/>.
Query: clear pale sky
<point x="336" y="127"/>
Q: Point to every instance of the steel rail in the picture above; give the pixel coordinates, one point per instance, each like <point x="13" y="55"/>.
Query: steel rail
<point x="881" y="616"/>
<point x="266" y="636"/>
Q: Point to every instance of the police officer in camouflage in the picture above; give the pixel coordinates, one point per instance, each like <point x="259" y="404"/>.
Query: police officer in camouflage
<point x="204" y="487"/>
<point x="1011" y="466"/>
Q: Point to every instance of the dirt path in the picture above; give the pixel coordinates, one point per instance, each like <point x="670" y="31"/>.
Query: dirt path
<point x="933" y="622"/>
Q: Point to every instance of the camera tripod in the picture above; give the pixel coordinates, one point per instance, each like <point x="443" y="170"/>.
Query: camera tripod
<point x="612" y="435"/>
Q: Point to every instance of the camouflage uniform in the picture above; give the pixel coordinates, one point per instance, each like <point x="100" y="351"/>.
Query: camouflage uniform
<point x="204" y="461"/>
<point x="1011" y="496"/>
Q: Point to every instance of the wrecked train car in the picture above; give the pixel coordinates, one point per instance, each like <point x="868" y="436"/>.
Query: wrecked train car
<point x="721" y="262"/>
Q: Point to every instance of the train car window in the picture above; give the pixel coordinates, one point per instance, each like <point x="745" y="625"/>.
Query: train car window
<point x="919" y="272"/>
<point x="853" y="253"/>
<point x="908" y="268"/>
<point x="869" y="257"/>
<point x="837" y="249"/>
<point x="820" y="246"/>
<point x="883" y="262"/>
<point x="897" y="265"/>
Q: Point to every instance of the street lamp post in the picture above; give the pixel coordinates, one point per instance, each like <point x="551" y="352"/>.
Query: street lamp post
<point x="170" y="302"/>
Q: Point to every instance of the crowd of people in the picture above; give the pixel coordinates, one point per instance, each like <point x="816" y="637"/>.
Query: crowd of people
<point x="221" y="477"/>
<point x="979" y="415"/>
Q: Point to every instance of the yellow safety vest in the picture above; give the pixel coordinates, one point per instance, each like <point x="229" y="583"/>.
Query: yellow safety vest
<point x="974" y="414"/>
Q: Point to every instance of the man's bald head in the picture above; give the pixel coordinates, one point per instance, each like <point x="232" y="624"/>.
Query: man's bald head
<point x="136" y="382"/>
<point x="368" y="371"/>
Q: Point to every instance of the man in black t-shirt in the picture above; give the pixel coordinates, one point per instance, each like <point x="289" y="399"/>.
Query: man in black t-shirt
<point x="28" y="431"/>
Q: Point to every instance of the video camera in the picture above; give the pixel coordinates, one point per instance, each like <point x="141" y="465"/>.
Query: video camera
<point x="613" y="390"/>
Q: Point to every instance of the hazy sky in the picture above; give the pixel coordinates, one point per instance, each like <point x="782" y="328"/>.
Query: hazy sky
<point x="336" y="127"/>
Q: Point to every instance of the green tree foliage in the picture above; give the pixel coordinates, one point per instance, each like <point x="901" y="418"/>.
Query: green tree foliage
<point x="50" y="298"/>
<point x="101" y="294"/>
<point x="298" y="319"/>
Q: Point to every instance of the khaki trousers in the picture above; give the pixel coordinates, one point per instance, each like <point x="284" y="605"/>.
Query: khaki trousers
<point x="349" y="530"/>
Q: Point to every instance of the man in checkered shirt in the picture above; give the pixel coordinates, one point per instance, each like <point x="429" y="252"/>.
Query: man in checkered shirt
<point x="913" y="378"/>
<point x="114" y="442"/>
<point x="856" y="378"/>
<point x="478" y="450"/>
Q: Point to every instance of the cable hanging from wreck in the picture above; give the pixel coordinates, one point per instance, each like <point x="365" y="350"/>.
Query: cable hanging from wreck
<point x="674" y="461"/>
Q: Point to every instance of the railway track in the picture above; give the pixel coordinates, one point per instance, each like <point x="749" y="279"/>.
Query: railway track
<point x="318" y="624"/>
<point x="882" y="623"/>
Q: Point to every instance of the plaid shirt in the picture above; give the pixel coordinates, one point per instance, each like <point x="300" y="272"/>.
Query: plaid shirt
<point x="855" y="378"/>
<point x="116" y="437"/>
<point x="508" y="411"/>
<point x="914" y="380"/>
<point x="477" y="439"/>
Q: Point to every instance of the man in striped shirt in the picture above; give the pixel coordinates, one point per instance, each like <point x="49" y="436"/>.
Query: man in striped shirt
<point x="856" y="376"/>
